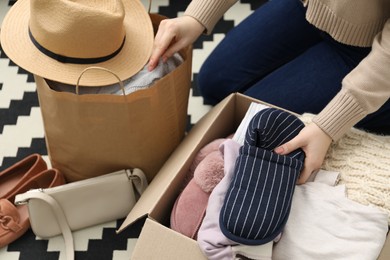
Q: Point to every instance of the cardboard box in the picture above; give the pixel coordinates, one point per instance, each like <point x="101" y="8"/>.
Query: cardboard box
<point x="157" y="240"/>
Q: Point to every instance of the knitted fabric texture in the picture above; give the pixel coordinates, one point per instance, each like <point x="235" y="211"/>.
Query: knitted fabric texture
<point x="363" y="161"/>
<point x="258" y="200"/>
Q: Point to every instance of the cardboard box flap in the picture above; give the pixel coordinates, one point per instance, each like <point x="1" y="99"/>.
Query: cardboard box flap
<point x="385" y="253"/>
<point x="165" y="183"/>
<point x="170" y="246"/>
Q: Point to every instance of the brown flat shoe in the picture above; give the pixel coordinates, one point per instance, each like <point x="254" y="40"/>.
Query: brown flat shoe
<point x="12" y="178"/>
<point x="14" y="220"/>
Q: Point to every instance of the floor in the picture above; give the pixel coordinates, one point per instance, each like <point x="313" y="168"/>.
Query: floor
<point x="22" y="133"/>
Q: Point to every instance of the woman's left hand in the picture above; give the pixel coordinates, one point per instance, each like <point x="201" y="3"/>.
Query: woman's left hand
<point x="314" y="142"/>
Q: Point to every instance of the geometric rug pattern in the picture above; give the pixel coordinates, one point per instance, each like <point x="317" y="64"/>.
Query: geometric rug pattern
<point x="21" y="134"/>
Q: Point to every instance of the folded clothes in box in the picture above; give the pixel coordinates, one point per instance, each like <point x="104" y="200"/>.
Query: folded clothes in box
<point x="157" y="240"/>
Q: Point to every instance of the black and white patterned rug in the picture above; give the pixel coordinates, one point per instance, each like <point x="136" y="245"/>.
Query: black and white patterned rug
<point x="21" y="134"/>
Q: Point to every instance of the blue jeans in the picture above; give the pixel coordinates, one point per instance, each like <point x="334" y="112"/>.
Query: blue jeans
<point x="276" y="56"/>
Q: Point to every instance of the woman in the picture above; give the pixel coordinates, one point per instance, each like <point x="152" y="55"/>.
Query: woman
<point x="327" y="57"/>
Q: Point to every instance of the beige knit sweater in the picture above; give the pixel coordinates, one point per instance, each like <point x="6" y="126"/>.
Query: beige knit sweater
<point x="353" y="22"/>
<point x="363" y="161"/>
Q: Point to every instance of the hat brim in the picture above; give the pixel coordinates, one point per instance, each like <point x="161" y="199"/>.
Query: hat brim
<point x="131" y="59"/>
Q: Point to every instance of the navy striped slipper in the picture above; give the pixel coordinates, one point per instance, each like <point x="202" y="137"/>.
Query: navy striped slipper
<point x="258" y="200"/>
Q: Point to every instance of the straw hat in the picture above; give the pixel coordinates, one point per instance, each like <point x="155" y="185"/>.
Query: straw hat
<point x="58" y="39"/>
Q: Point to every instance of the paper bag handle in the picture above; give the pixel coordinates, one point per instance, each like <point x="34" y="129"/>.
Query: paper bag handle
<point x="99" y="68"/>
<point x="150" y="6"/>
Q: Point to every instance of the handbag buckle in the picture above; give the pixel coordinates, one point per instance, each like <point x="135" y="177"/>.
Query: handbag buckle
<point x="130" y="175"/>
<point x="23" y="202"/>
<point x="21" y="199"/>
<point x="138" y="178"/>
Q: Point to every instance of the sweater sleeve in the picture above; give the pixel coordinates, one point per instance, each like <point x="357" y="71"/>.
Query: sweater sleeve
<point x="208" y="12"/>
<point x="364" y="90"/>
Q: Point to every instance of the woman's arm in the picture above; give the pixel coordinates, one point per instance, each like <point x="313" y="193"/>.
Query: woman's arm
<point x="364" y="91"/>
<point x="177" y="33"/>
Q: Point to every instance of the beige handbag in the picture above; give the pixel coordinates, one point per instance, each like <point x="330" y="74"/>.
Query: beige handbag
<point x="77" y="205"/>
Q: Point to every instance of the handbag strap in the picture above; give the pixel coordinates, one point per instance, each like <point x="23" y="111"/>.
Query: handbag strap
<point x="136" y="176"/>
<point x="61" y="219"/>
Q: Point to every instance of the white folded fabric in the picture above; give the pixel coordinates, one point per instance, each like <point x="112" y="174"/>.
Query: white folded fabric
<point x="325" y="224"/>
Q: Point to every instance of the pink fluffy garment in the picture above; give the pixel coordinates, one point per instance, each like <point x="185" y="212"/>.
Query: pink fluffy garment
<point x="190" y="206"/>
<point x="210" y="171"/>
<point x="208" y="148"/>
<point x="189" y="210"/>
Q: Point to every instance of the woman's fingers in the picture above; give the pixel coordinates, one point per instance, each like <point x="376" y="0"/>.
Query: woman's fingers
<point x="172" y="36"/>
<point x="290" y="146"/>
<point x="162" y="41"/>
<point x="314" y="142"/>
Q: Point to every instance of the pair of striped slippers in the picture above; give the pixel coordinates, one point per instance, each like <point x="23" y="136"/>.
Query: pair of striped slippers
<point x="258" y="200"/>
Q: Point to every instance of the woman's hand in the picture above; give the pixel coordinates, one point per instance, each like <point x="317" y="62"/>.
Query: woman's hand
<point x="314" y="142"/>
<point x="173" y="35"/>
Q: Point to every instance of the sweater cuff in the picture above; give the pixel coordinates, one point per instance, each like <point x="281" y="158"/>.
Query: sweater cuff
<point x="339" y="115"/>
<point x="208" y="12"/>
